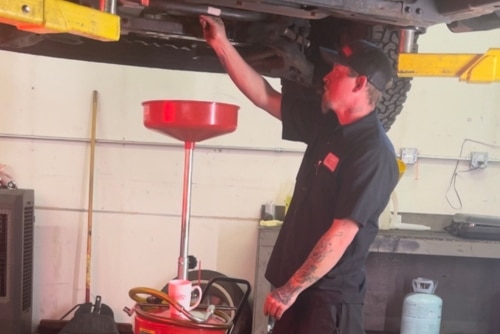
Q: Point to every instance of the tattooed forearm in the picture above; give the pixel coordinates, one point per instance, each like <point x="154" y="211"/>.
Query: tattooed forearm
<point x="307" y="273"/>
<point x="325" y="254"/>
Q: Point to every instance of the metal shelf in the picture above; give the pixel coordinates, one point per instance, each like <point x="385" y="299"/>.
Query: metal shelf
<point x="437" y="243"/>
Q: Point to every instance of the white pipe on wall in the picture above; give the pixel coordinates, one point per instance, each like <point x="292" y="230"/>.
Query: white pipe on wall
<point x="202" y="147"/>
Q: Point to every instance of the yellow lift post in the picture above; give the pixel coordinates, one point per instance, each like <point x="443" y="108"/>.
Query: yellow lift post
<point x="472" y="68"/>
<point x="59" y="16"/>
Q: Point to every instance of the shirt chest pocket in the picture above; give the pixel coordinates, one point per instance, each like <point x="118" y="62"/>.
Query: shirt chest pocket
<point x="317" y="181"/>
<point x="326" y="173"/>
<point x="329" y="163"/>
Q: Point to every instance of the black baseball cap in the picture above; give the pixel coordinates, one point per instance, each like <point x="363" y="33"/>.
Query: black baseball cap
<point x="365" y="58"/>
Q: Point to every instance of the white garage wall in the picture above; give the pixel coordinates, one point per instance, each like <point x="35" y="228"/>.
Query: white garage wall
<point x="440" y="114"/>
<point x="138" y="188"/>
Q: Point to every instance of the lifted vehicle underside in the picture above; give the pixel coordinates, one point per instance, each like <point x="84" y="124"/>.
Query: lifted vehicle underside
<point x="279" y="38"/>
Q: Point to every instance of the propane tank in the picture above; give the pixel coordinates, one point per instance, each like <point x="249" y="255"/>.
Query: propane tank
<point x="422" y="309"/>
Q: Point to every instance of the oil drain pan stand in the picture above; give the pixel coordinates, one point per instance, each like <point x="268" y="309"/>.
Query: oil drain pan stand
<point x="190" y="122"/>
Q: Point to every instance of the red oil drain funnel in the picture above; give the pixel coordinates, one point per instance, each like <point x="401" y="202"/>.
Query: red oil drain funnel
<point x="189" y="121"/>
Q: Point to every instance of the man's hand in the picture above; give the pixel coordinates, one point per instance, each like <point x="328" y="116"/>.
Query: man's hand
<point x="213" y="29"/>
<point x="279" y="300"/>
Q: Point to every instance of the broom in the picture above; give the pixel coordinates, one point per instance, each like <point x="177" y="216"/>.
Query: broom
<point x="89" y="318"/>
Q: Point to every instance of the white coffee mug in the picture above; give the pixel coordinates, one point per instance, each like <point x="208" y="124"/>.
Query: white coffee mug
<point x="181" y="291"/>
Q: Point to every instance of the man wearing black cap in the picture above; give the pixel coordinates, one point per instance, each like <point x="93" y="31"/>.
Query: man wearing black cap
<point x="347" y="174"/>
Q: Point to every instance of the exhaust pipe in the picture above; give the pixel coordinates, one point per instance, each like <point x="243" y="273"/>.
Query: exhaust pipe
<point x="198" y="9"/>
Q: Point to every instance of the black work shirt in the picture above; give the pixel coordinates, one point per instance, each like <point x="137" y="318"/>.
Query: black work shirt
<point x="347" y="172"/>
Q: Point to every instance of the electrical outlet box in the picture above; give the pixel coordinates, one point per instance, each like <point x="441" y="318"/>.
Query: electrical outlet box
<point x="479" y="159"/>
<point x="409" y="155"/>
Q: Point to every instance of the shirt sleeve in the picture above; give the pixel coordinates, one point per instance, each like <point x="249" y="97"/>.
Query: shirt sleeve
<point x="368" y="179"/>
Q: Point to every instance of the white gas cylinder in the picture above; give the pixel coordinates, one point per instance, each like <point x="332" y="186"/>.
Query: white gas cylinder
<point x="422" y="309"/>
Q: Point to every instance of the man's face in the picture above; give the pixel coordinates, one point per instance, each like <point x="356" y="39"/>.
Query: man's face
<point x="338" y="86"/>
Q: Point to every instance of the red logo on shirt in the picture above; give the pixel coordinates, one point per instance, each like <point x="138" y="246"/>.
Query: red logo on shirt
<point x="331" y="161"/>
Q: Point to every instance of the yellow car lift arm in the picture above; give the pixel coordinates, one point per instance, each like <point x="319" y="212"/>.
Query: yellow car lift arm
<point x="59" y="16"/>
<point x="472" y="68"/>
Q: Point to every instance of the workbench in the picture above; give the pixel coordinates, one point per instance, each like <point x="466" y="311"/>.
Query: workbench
<point x="467" y="271"/>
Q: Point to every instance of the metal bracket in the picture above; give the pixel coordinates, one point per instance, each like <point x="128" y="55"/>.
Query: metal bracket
<point x="59" y="16"/>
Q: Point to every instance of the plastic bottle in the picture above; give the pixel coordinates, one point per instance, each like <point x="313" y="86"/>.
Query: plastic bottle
<point x="284" y="196"/>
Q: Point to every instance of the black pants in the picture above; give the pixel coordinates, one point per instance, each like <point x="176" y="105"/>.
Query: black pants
<point x="314" y="314"/>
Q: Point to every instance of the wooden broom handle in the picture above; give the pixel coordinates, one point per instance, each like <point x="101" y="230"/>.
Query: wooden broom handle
<point x="91" y="196"/>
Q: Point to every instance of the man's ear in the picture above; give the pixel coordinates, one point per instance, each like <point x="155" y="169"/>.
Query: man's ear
<point x="361" y="82"/>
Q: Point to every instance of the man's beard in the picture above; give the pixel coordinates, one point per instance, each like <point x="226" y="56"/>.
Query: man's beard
<point x="325" y="104"/>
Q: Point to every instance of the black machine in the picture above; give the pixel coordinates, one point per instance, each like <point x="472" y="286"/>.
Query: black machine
<point x="17" y="221"/>
<point x="475" y="227"/>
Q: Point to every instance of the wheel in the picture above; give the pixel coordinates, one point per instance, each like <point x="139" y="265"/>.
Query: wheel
<point x="225" y="294"/>
<point x="392" y="102"/>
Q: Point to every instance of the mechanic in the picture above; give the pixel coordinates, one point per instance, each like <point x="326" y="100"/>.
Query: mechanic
<point x="347" y="174"/>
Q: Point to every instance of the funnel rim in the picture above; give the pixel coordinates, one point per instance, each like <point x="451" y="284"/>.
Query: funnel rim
<point x="191" y="101"/>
